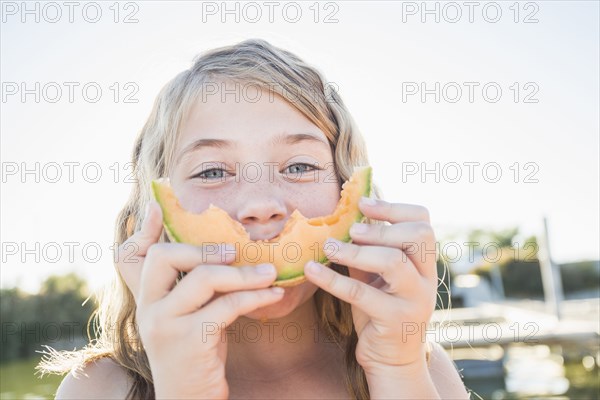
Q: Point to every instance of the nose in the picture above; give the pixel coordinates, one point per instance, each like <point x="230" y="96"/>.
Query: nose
<point x="261" y="203"/>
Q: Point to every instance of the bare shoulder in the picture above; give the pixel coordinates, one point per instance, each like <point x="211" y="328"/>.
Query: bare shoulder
<point x="100" y="379"/>
<point x="444" y="374"/>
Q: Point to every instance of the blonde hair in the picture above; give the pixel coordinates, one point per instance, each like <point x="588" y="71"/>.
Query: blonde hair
<point x="259" y="63"/>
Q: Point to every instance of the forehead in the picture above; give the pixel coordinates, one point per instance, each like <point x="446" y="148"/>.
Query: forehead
<point x="241" y="113"/>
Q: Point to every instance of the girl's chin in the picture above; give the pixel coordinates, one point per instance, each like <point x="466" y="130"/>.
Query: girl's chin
<point x="291" y="300"/>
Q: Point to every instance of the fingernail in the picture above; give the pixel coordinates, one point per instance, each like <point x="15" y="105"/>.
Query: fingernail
<point x="314" y="268"/>
<point x="359" y="228"/>
<point x="265" y="269"/>
<point x="368" y="201"/>
<point x="278" y="290"/>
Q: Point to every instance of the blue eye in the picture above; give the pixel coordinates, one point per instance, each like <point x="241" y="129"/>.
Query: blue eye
<point x="211" y="174"/>
<point x="299" y="169"/>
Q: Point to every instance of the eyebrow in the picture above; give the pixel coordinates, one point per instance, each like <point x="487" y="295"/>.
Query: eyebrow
<point x="203" y="143"/>
<point x="278" y="140"/>
<point x="297" y="138"/>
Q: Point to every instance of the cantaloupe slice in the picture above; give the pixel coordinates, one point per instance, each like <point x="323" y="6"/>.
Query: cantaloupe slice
<point x="300" y="241"/>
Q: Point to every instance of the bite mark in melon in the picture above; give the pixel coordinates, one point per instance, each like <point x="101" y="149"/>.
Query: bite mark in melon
<point x="301" y="240"/>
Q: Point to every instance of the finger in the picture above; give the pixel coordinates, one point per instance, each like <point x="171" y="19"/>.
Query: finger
<point x="227" y="308"/>
<point x="164" y="261"/>
<point x="390" y="263"/>
<point x="367" y="298"/>
<point x="415" y="239"/>
<point x="150" y="230"/>
<point x="131" y="252"/>
<point x="392" y="212"/>
<point x="199" y="286"/>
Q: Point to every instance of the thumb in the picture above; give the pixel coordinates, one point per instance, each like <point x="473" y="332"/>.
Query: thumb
<point x="151" y="228"/>
<point x="131" y="253"/>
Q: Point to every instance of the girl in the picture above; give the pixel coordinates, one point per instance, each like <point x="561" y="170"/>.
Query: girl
<point x="180" y="323"/>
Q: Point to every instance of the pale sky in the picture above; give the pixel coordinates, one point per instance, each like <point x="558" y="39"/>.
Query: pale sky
<point x="379" y="54"/>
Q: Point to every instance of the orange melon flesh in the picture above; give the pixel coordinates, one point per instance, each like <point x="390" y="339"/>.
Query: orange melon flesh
<point x="300" y="241"/>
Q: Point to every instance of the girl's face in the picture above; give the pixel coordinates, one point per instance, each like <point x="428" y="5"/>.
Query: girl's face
<point x="255" y="156"/>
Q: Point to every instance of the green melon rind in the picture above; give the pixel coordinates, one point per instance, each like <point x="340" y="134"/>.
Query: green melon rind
<point x="166" y="215"/>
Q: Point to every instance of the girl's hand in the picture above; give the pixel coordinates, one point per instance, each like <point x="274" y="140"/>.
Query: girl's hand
<point x="391" y="311"/>
<point x="182" y="325"/>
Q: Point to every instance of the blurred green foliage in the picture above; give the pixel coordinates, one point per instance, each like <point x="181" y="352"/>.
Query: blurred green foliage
<point x="56" y="316"/>
<point x="520" y="267"/>
<point x="580" y="275"/>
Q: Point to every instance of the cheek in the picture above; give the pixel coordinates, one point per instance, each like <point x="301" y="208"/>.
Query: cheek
<point x="196" y="199"/>
<point x="314" y="199"/>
